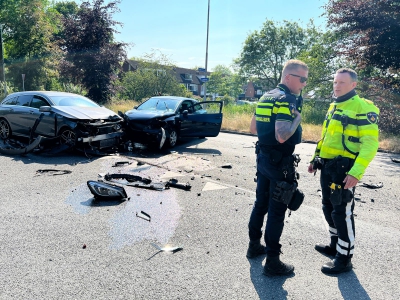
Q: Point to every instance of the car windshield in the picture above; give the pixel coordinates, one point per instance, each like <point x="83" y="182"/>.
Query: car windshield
<point x="73" y="100"/>
<point x="159" y="104"/>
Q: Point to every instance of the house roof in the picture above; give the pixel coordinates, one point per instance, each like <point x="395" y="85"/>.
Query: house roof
<point x="180" y="73"/>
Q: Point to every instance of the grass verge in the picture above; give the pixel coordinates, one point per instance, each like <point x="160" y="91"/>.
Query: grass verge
<point x="237" y="118"/>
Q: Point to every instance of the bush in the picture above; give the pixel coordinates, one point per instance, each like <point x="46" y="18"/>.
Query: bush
<point x="314" y="112"/>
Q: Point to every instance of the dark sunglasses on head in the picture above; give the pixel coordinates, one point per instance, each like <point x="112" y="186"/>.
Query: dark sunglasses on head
<point x="302" y="79"/>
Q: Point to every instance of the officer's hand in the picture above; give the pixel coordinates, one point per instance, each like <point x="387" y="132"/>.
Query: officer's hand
<point x="311" y="169"/>
<point x="350" y="182"/>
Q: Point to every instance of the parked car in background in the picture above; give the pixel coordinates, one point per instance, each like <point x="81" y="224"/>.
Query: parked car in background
<point x="164" y="119"/>
<point x="245" y="102"/>
<point x="70" y="119"/>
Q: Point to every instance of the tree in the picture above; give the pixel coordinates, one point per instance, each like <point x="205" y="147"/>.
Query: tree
<point x="154" y="75"/>
<point x="371" y="31"/>
<point x="224" y="82"/>
<point x="265" y="52"/>
<point x="322" y="61"/>
<point x="28" y="41"/>
<point x="92" y="57"/>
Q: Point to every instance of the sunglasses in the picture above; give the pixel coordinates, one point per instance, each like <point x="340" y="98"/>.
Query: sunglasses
<point x="302" y="79"/>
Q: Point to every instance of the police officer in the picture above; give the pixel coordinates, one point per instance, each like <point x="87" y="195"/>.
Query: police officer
<point x="349" y="143"/>
<point x="277" y="124"/>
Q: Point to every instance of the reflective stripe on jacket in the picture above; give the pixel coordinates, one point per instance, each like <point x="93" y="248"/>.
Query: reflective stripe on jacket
<point x="277" y="105"/>
<point x="357" y="119"/>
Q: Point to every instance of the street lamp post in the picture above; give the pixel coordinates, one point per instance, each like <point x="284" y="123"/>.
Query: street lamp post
<point x="208" y="21"/>
<point x="2" y="58"/>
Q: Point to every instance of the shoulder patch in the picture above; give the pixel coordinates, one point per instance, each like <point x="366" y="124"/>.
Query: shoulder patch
<point x="372" y="117"/>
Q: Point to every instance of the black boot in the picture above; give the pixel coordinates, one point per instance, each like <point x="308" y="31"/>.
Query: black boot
<point x="274" y="267"/>
<point x="339" y="264"/>
<point x="255" y="249"/>
<point x="325" y="249"/>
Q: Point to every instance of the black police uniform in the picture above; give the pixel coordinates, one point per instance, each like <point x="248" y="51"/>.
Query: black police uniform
<point x="274" y="163"/>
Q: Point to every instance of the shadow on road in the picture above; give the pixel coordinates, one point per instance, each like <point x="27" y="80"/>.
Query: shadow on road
<point x="351" y="288"/>
<point x="267" y="287"/>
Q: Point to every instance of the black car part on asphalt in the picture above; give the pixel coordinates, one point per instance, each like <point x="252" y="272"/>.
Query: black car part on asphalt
<point x="12" y="150"/>
<point x="102" y="190"/>
<point x="127" y="177"/>
<point x="174" y="183"/>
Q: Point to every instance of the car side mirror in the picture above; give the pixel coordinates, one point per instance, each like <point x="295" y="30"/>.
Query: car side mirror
<point x="185" y="112"/>
<point x="45" y="109"/>
<point x="135" y="107"/>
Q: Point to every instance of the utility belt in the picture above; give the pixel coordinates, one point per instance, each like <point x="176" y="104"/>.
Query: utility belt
<point x="337" y="166"/>
<point x="337" y="169"/>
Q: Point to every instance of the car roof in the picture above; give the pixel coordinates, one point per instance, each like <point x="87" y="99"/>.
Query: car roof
<point x="177" y="98"/>
<point x="47" y="93"/>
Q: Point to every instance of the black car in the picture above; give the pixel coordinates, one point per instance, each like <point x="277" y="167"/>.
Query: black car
<point x="71" y="119"/>
<point x="162" y="120"/>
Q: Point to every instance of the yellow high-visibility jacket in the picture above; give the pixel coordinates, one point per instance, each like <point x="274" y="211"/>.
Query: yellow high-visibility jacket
<point x="351" y="130"/>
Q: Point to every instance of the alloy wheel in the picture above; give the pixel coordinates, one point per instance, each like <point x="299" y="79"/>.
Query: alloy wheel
<point x="4" y="129"/>
<point x="67" y="137"/>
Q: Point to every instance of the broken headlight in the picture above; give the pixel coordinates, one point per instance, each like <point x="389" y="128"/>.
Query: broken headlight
<point x="106" y="190"/>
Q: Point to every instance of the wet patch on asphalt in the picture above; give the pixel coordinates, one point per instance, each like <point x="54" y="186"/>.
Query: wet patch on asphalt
<point x="126" y="228"/>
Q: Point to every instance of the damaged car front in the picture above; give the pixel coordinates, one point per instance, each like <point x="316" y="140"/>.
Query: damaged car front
<point x="162" y="120"/>
<point x="70" y="120"/>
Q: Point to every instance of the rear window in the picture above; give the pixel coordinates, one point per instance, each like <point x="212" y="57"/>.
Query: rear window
<point x="10" y="101"/>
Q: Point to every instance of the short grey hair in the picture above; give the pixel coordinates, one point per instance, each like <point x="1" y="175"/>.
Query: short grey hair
<point x="351" y="72"/>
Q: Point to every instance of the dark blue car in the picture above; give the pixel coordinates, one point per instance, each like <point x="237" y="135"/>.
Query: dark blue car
<point x="162" y="120"/>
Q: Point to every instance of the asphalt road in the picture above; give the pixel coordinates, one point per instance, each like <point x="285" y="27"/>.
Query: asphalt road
<point x="57" y="243"/>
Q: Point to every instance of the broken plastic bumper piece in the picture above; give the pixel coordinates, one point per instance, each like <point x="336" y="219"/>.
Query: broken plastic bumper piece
<point x="106" y="190"/>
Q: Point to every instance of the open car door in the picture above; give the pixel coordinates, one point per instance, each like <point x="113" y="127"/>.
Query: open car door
<point x="204" y="119"/>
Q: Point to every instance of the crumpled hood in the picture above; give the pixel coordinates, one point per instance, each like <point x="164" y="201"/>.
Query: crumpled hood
<point x="85" y="113"/>
<point x="144" y="115"/>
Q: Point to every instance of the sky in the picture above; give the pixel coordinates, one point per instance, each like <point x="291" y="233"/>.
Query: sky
<point x="178" y="28"/>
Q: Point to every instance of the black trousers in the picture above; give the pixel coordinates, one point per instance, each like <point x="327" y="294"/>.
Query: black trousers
<point x="339" y="217"/>
<point x="267" y="175"/>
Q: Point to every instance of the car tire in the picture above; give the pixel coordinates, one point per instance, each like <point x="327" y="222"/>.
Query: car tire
<point x="68" y="137"/>
<point x="5" y="129"/>
<point x="172" y="138"/>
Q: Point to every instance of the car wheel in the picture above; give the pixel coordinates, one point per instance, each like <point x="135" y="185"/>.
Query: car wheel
<point x="68" y="137"/>
<point x="5" y="130"/>
<point x="172" y="138"/>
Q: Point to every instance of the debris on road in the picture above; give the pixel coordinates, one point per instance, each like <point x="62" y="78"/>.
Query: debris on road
<point x="121" y="163"/>
<point x="102" y="190"/>
<point x="227" y="166"/>
<point x="372" y="185"/>
<point x="53" y="172"/>
<point x="395" y="160"/>
<point x="167" y="248"/>
<point x="12" y="147"/>
<point x="143" y="216"/>
<point x="127" y="177"/>
<point x="174" y="183"/>
<point x="157" y="186"/>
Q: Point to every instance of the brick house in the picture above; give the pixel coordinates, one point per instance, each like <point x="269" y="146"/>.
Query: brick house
<point x="251" y="92"/>
<point x="188" y="77"/>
